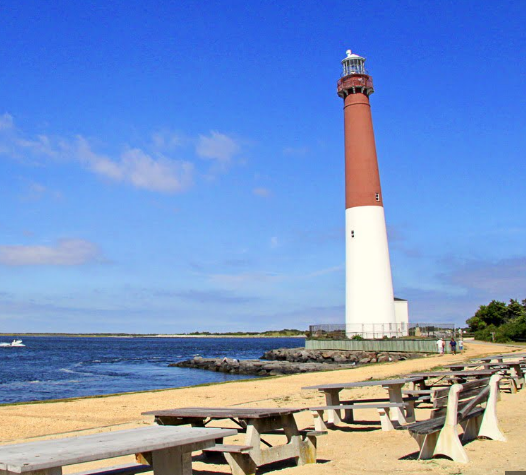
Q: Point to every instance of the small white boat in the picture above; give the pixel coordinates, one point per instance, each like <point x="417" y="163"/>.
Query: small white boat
<point x="13" y="343"/>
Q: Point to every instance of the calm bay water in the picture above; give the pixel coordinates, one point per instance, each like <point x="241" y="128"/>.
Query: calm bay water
<point x="63" y="367"/>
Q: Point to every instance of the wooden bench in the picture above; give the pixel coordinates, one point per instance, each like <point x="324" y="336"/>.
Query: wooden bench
<point x="471" y="405"/>
<point x="165" y="450"/>
<point x="383" y="409"/>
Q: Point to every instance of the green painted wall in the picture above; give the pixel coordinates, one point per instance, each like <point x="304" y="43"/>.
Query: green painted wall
<point x="409" y="346"/>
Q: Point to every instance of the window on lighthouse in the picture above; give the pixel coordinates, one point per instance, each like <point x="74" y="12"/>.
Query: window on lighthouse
<point x="377" y="196"/>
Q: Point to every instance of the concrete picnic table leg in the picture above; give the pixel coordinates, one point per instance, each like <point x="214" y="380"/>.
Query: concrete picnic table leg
<point x="395" y="395"/>
<point x="332" y="398"/>
<point x="172" y="461"/>
<point x="515" y="374"/>
<point x="305" y="449"/>
<point x="301" y="451"/>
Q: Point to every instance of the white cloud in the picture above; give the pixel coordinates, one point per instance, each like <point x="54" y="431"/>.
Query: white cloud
<point x="217" y="146"/>
<point x="67" y="252"/>
<point x="150" y="169"/>
<point x="37" y="191"/>
<point x="242" y="279"/>
<point x="507" y="276"/>
<point x="263" y="192"/>
<point x="164" y="140"/>
<point x="6" y="122"/>
<point x="100" y="164"/>
<point x="295" y="151"/>
<point x="139" y="169"/>
<point x="133" y="166"/>
<point x="328" y="270"/>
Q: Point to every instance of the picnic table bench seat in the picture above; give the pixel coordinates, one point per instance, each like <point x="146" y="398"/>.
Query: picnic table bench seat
<point x="471" y="405"/>
<point x="126" y="469"/>
<point x="229" y="448"/>
<point x="382" y="407"/>
<point x="418" y="395"/>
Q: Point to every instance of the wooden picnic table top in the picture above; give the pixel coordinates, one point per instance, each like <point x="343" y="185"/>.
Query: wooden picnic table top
<point x="519" y="356"/>
<point x="476" y="365"/>
<point x="225" y="412"/>
<point x="31" y="456"/>
<point x="361" y="384"/>
<point x="468" y="373"/>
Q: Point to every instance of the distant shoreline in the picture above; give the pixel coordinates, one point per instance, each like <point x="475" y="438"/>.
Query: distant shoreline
<point x="230" y="336"/>
<point x="129" y="335"/>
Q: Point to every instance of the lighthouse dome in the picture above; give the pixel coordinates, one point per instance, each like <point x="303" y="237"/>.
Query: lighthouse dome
<point x="353" y="64"/>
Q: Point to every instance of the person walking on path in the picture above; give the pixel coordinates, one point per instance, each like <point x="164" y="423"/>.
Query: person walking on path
<point x="461" y="345"/>
<point x="440" y="346"/>
<point x="453" y="345"/>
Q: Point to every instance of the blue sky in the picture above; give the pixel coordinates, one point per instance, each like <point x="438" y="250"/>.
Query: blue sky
<point x="176" y="166"/>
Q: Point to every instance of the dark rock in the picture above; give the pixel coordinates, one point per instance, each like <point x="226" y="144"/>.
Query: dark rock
<point x="294" y="360"/>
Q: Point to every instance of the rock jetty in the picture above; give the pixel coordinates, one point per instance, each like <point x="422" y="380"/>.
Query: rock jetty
<point x="257" y="367"/>
<point x="301" y="355"/>
<point x="292" y="361"/>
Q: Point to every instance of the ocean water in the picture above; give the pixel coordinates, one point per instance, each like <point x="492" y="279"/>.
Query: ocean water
<point x="65" y="367"/>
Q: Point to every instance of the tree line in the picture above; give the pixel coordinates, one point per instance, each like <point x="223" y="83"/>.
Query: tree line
<point x="500" y="321"/>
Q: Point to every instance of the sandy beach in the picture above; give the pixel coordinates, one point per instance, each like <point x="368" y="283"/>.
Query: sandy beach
<point x="347" y="449"/>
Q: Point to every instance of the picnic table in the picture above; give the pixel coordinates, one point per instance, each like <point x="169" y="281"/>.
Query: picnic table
<point x="393" y="386"/>
<point x="255" y="423"/>
<point x="473" y="366"/>
<point x="448" y="377"/>
<point x="511" y="370"/>
<point x="501" y="358"/>
<point x="166" y="450"/>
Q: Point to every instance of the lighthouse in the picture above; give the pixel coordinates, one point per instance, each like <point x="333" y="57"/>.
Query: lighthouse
<point x="369" y="304"/>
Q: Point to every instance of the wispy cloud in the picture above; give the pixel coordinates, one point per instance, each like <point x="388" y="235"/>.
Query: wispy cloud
<point x="165" y="140"/>
<point x="327" y="270"/>
<point x="303" y="317"/>
<point x="6" y="121"/>
<point x="466" y="286"/>
<point x="211" y="296"/>
<point x="217" y="147"/>
<point x="37" y="191"/>
<point x="274" y="242"/>
<point x="506" y="275"/>
<point x="136" y="167"/>
<point x="243" y="278"/>
<point x="67" y="252"/>
<point x="142" y="170"/>
<point x="262" y="192"/>
<point x="153" y="170"/>
<point x="295" y="151"/>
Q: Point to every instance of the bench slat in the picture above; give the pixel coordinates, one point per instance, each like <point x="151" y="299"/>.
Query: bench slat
<point x="464" y="398"/>
<point x="118" y="470"/>
<point x="359" y="406"/>
<point x="231" y="449"/>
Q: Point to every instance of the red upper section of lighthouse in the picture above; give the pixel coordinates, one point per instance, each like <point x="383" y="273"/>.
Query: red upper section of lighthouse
<point x="362" y="178"/>
<point x="355" y="83"/>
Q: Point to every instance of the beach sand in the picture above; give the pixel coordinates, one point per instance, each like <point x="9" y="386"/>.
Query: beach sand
<point x="362" y="449"/>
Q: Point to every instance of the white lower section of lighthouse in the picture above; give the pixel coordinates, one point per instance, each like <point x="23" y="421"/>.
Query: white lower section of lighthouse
<point x="369" y="309"/>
